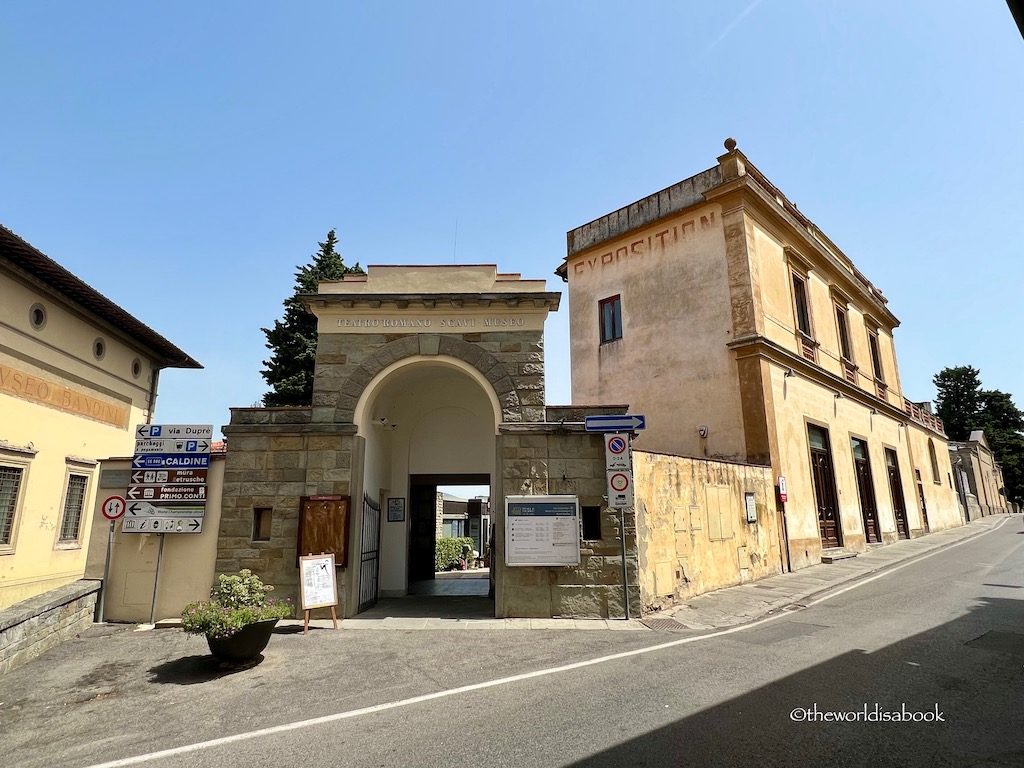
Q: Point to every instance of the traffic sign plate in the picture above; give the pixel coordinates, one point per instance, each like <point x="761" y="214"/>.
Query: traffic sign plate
<point x="620" y="488"/>
<point x="626" y="422"/>
<point x="616" y="451"/>
<point x="169" y="477"/>
<point x="162" y="525"/>
<point x="146" y="509"/>
<point x="113" y="507"/>
<point x="171" y="460"/>
<point x="171" y="445"/>
<point x="190" y="493"/>
<point x="194" y="431"/>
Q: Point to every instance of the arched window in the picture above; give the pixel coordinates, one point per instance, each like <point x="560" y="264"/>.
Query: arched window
<point x="935" y="460"/>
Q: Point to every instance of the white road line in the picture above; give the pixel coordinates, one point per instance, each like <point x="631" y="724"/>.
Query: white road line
<point x="300" y="724"/>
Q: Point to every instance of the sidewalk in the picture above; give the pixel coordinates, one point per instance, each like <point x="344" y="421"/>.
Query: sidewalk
<point x="733" y="606"/>
<point x="728" y="607"/>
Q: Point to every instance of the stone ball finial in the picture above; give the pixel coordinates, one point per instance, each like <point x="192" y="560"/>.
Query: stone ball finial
<point x="730" y="144"/>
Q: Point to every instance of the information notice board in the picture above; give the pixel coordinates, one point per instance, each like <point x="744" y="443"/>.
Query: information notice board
<point x="318" y="587"/>
<point x="542" y="530"/>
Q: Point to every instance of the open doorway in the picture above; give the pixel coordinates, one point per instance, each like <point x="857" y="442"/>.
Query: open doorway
<point x="429" y="429"/>
<point x="450" y="533"/>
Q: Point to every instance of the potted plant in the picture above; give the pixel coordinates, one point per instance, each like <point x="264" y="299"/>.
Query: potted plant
<point x="238" y="618"/>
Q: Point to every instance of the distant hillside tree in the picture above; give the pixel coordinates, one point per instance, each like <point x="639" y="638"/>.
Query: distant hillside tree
<point x="292" y="340"/>
<point x="959" y="399"/>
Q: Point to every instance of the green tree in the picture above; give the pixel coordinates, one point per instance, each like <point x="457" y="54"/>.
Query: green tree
<point x="959" y="399"/>
<point x="1003" y="423"/>
<point x="292" y="340"/>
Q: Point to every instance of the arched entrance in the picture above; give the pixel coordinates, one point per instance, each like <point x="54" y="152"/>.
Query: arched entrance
<point x="424" y="422"/>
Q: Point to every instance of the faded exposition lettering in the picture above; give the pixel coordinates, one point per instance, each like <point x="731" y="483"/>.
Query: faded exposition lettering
<point x="63" y="398"/>
<point x="444" y="322"/>
<point x="638" y="248"/>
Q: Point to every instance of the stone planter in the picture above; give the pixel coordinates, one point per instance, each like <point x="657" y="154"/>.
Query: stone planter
<point x="245" y="645"/>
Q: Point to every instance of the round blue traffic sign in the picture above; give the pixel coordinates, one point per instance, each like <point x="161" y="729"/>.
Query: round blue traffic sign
<point x="617" y="445"/>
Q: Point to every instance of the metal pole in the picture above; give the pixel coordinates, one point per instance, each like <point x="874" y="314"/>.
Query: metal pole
<point x="625" y="583"/>
<point x="156" y="579"/>
<point x="106" y="572"/>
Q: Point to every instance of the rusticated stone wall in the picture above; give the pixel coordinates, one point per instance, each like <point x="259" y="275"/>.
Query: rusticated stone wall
<point x="275" y="456"/>
<point x="563" y="459"/>
<point x="513" y="363"/>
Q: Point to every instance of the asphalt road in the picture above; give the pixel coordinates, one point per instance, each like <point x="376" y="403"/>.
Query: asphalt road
<point x="942" y="637"/>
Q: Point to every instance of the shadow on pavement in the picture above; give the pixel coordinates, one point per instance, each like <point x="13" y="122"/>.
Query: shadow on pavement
<point x="190" y="670"/>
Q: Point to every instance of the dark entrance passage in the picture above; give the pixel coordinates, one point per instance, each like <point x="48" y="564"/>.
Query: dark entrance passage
<point x="824" y="487"/>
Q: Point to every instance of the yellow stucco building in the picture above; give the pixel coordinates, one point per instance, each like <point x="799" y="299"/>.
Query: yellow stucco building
<point x="77" y="372"/>
<point x="720" y="311"/>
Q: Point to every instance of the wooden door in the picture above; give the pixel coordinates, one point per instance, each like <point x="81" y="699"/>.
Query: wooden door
<point x="866" y="492"/>
<point x="824" y="488"/>
<point x="899" y="504"/>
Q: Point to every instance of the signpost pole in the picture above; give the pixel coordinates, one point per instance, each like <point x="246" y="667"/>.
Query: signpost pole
<point x="156" y="580"/>
<point x="625" y="583"/>
<point x="106" y="573"/>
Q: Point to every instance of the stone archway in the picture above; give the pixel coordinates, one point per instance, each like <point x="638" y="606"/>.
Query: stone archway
<point x="493" y="371"/>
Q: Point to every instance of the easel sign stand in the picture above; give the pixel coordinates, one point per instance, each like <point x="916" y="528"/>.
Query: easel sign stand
<point x="318" y="586"/>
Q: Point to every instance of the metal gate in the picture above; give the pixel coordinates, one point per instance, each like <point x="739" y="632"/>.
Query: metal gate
<point x="369" y="559"/>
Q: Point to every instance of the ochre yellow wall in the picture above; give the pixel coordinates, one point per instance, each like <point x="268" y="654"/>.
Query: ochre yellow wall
<point x="48" y="440"/>
<point x="773" y="266"/>
<point x="691" y="526"/>
<point x="672" y="363"/>
<point x="186" y="568"/>
<point x="940" y="497"/>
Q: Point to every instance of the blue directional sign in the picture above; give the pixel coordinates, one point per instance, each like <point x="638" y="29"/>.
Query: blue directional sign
<point x="170" y="460"/>
<point x="627" y="422"/>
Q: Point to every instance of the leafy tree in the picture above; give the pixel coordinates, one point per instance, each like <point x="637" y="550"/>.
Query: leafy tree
<point x="959" y="399"/>
<point x="1003" y="423"/>
<point x="292" y="340"/>
<point x="964" y="407"/>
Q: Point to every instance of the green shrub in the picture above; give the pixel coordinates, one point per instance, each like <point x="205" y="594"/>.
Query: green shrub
<point x="234" y="602"/>
<point x="448" y="552"/>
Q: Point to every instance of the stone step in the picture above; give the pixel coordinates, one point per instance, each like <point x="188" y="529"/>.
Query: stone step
<point x="835" y="555"/>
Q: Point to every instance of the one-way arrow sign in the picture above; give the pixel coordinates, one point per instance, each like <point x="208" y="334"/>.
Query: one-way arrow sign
<point x="627" y="422"/>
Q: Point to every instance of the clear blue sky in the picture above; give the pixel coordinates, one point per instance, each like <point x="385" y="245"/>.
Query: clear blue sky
<point x="184" y="158"/>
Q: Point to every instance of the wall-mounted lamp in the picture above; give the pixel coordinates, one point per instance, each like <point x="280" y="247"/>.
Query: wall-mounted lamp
<point x="873" y="411"/>
<point x="838" y="395"/>
<point x="789" y="372"/>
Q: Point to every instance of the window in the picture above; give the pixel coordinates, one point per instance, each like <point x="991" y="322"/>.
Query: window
<point x="37" y="316"/>
<point x="99" y="349"/>
<point x="934" y="460"/>
<point x="136" y="368"/>
<point x="262" y="520"/>
<point x="843" y="326"/>
<point x="74" y="502"/>
<point x="876" y="358"/>
<point x="591" y="523"/>
<point x="803" y="308"/>
<point x="611" y="319"/>
<point x="10" y="485"/>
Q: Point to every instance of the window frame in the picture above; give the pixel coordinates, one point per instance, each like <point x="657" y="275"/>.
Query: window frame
<point x="875" y="352"/>
<point x="803" y="280"/>
<point x="933" y="458"/>
<point x="23" y="466"/>
<point x="76" y="542"/>
<point x="616" y="319"/>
